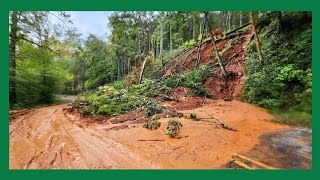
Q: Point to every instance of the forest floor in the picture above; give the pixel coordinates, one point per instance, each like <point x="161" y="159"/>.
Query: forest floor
<point x="54" y="138"/>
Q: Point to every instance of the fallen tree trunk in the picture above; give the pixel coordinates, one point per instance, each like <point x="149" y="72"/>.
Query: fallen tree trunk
<point x="256" y="38"/>
<point x="195" y="117"/>
<point x="215" y="47"/>
<point x="235" y="30"/>
<point x="252" y="161"/>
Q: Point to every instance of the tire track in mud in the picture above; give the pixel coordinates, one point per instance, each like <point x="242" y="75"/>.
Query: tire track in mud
<point x="46" y="139"/>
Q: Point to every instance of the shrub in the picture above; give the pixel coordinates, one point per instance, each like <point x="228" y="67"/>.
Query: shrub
<point x="153" y="124"/>
<point x="148" y="88"/>
<point x="193" y="79"/>
<point x="121" y="84"/>
<point x="173" y="127"/>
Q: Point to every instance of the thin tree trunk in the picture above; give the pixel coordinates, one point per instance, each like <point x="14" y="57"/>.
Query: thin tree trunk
<point x="129" y="65"/>
<point x="281" y="24"/>
<point x="215" y="47"/>
<point x="12" y="57"/>
<point x="119" y="71"/>
<point x="193" y="28"/>
<point x="149" y="42"/>
<point x="240" y="23"/>
<point x="199" y="47"/>
<point x="142" y="69"/>
<point x="256" y="38"/>
<point x="170" y="37"/>
<point x="161" y="48"/>
<point x="157" y="49"/>
<point x="229" y="20"/>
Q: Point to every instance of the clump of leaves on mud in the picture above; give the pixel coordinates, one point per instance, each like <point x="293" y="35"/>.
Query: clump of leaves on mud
<point x="173" y="127"/>
<point x="108" y="100"/>
<point x="153" y="123"/>
<point x="193" y="79"/>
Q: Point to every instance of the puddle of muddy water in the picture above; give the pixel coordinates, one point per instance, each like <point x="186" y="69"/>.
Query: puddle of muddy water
<point x="288" y="149"/>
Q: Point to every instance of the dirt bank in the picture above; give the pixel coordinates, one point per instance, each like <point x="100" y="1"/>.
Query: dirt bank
<point x="49" y="138"/>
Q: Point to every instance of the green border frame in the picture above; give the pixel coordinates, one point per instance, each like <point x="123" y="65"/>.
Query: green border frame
<point x="162" y="5"/>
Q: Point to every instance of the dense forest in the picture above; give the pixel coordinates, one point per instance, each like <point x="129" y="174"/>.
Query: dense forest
<point x="49" y="58"/>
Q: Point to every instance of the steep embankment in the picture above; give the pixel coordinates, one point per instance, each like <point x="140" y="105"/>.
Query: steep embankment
<point x="232" y="49"/>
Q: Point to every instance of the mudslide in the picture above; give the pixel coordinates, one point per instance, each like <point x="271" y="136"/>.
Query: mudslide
<point x="52" y="138"/>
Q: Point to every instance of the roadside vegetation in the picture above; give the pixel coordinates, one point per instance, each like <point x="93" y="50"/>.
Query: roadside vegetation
<point x="284" y="84"/>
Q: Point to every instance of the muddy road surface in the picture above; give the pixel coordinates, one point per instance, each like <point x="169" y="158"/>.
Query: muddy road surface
<point x="51" y="138"/>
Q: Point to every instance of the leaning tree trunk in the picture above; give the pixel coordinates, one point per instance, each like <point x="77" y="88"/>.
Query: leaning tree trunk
<point x="12" y="57"/>
<point x="256" y="38"/>
<point x="215" y="47"/>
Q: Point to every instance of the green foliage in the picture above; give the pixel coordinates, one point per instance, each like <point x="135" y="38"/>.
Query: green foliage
<point x="108" y="100"/>
<point x="120" y="84"/>
<point x="173" y="127"/>
<point x="148" y="88"/>
<point x="150" y="107"/>
<point x="192" y="79"/>
<point x="153" y="124"/>
<point x="283" y="84"/>
<point x="38" y="76"/>
<point x="101" y="64"/>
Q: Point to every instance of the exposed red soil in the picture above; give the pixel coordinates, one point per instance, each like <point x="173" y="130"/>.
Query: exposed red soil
<point x="233" y="58"/>
<point x="183" y="100"/>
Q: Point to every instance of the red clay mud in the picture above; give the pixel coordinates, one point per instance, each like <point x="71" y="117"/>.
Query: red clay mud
<point x="49" y="138"/>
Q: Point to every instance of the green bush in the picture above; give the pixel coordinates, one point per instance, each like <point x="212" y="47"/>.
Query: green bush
<point x="108" y="100"/>
<point x="148" y="88"/>
<point x="120" y="84"/>
<point x="153" y="124"/>
<point x="173" y="127"/>
<point x="193" y="79"/>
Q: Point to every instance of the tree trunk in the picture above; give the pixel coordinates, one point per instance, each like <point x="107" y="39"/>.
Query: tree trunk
<point x="157" y="49"/>
<point x="229" y="19"/>
<point x="170" y="37"/>
<point x="12" y="57"/>
<point x="240" y="23"/>
<point x="161" y="47"/>
<point x="281" y="24"/>
<point x="199" y="47"/>
<point x="193" y="28"/>
<point x="256" y="38"/>
<point x="119" y="71"/>
<point x="129" y="65"/>
<point x="142" y="69"/>
<point x="215" y="47"/>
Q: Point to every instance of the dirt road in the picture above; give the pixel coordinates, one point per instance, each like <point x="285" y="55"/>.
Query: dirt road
<point x="49" y="138"/>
